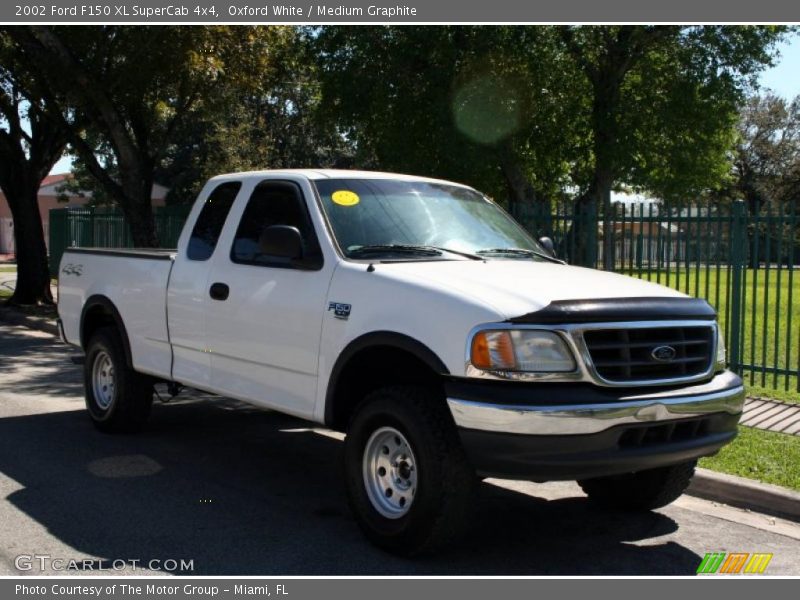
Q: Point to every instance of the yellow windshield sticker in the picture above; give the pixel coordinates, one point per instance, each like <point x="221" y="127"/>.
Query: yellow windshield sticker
<point x="345" y="198"/>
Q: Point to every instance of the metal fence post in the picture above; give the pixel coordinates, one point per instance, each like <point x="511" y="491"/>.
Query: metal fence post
<point x="738" y="245"/>
<point x="92" y="243"/>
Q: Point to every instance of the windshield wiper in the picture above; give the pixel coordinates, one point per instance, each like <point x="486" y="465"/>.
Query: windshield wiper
<point x="469" y="255"/>
<point x="421" y="250"/>
<point x="521" y="252"/>
<point x="395" y="249"/>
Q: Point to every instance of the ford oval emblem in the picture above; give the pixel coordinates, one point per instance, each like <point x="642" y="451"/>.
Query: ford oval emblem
<point x="664" y="353"/>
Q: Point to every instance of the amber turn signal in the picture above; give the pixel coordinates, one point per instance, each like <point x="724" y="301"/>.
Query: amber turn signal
<point x="493" y="350"/>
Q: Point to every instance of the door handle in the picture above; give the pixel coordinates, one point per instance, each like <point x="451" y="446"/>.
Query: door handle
<point x="219" y="291"/>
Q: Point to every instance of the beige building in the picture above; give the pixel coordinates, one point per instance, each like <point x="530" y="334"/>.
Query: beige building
<point x="48" y="199"/>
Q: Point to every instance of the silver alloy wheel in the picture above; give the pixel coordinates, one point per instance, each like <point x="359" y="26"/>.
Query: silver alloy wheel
<point x="103" y="381"/>
<point x="390" y="472"/>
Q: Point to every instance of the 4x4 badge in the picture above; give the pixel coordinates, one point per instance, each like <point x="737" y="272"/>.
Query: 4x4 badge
<point x="340" y="310"/>
<point x="70" y="269"/>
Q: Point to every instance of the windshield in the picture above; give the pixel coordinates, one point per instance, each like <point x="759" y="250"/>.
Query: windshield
<point x="389" y="216"/>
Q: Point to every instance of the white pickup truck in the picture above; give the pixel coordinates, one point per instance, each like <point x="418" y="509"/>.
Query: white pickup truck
<point x="417" y="317"/>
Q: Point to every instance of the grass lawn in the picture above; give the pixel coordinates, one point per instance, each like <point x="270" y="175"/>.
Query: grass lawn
<point x="7" y="269"/>
<point x="771" y="321"/>
<point x="766" y="456"/>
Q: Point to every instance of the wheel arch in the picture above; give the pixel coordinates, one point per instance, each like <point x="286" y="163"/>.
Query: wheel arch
<point x="414" y="363"/>
<point x="99" y="311"/>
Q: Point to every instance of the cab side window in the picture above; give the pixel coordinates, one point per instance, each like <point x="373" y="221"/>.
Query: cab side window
<point x="274" y="203"/>
<point x="211" y="219"/>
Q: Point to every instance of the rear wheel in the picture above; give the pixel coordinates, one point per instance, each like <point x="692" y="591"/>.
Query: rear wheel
<point x="118" y="398"/>
<point x="409" y="483"/>
<point x="644" y="490"/>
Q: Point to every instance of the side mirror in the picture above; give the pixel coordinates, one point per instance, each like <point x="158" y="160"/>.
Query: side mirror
<point x="282" y="241"/>
<point x="546" y="243"/>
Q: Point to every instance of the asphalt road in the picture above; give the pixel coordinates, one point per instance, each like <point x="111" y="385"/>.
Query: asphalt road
<point x="242" y="491"/>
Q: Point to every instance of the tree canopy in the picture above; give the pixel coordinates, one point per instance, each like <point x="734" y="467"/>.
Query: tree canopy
<point x="527" y="114"/>
<point x="767" y="159"/>
<point x="490" y="106"/>
<point x="125" y="93"/>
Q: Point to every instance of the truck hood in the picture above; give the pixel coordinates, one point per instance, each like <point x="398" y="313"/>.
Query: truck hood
<point x="516" y="287"/>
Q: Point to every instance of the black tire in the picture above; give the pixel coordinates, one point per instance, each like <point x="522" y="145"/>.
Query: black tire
<point x="445" y="484"/>
<point x="641" y="491"/>
<point x="132" y="395"/>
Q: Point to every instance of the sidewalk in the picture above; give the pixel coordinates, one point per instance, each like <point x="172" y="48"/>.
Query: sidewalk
<point x="772" y="415"/>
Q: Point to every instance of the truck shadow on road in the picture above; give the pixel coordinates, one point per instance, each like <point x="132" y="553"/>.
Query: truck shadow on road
<point x="242" y="491"/>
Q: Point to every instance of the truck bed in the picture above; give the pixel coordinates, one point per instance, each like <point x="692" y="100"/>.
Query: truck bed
<point x="135" y="281"/>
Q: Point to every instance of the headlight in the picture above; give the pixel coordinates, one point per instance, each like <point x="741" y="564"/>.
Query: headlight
<point x="722" y="355"/>
<point x="529" y="351"/>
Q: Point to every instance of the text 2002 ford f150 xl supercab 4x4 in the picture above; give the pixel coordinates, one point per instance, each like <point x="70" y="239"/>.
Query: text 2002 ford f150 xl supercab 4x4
<point x="416" y="316"/>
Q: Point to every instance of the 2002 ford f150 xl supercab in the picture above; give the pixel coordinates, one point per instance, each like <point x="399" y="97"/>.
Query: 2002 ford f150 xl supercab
<point x="420" y="319"/>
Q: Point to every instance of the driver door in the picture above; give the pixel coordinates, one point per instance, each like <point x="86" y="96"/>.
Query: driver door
<point x="264" y="316"/>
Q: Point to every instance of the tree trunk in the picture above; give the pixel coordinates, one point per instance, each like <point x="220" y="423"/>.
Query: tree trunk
<point x="604" y="117"/>
<point x="582" y="237"/>
<point x="597" y="200"/>
<point x="142" y="225"/>
<point x="522" y="198"/>
<point x="134" y="197"/>
<point x="521" y="191"/>
<point x="601" y="195"/>
<point x="754" y="201"/>
<point x="33" y="273"/>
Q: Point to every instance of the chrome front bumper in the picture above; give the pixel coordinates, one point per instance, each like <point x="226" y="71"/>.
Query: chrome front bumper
<point x="723" y="394"/>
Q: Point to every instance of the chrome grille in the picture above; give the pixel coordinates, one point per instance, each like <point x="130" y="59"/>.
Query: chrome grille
<point x="632" y="354"/>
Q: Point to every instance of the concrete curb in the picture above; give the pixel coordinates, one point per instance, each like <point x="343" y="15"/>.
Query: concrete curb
<point x="746" y="493"/>
<point x="9" y="315"/>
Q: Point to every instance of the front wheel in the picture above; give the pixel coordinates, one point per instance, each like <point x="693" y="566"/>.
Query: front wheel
<point x="117" y="397"/>
<point x="641" y="491"/>
<point x="409" y="483"/>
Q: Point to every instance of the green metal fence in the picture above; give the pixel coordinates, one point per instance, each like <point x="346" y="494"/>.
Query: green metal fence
<point x="101" y="227"/>
<point x="744" y="262"/>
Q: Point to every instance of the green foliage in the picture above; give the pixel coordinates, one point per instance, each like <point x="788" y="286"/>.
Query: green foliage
<point x="274" y="122"/>
<point x="566" y="108"/>
<point x="664" y="100"/>
<point x="185" y="103"/>
<point x="467" y="103"/>
<point x="525" y="113"/>
<point x="162" y="81"/>
<point x="767" y="159"/>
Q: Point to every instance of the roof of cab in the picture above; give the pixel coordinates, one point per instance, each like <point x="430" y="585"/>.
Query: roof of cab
<point x="316" y="174"/>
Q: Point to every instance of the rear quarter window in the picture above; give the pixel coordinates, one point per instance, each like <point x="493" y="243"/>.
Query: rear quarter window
<point x="211" y="219"/>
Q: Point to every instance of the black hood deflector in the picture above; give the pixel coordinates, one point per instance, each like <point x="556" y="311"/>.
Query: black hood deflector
<point x="606" y="310"/>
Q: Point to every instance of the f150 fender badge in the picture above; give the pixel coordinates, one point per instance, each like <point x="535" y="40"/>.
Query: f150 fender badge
<point x="340" y="310"/>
